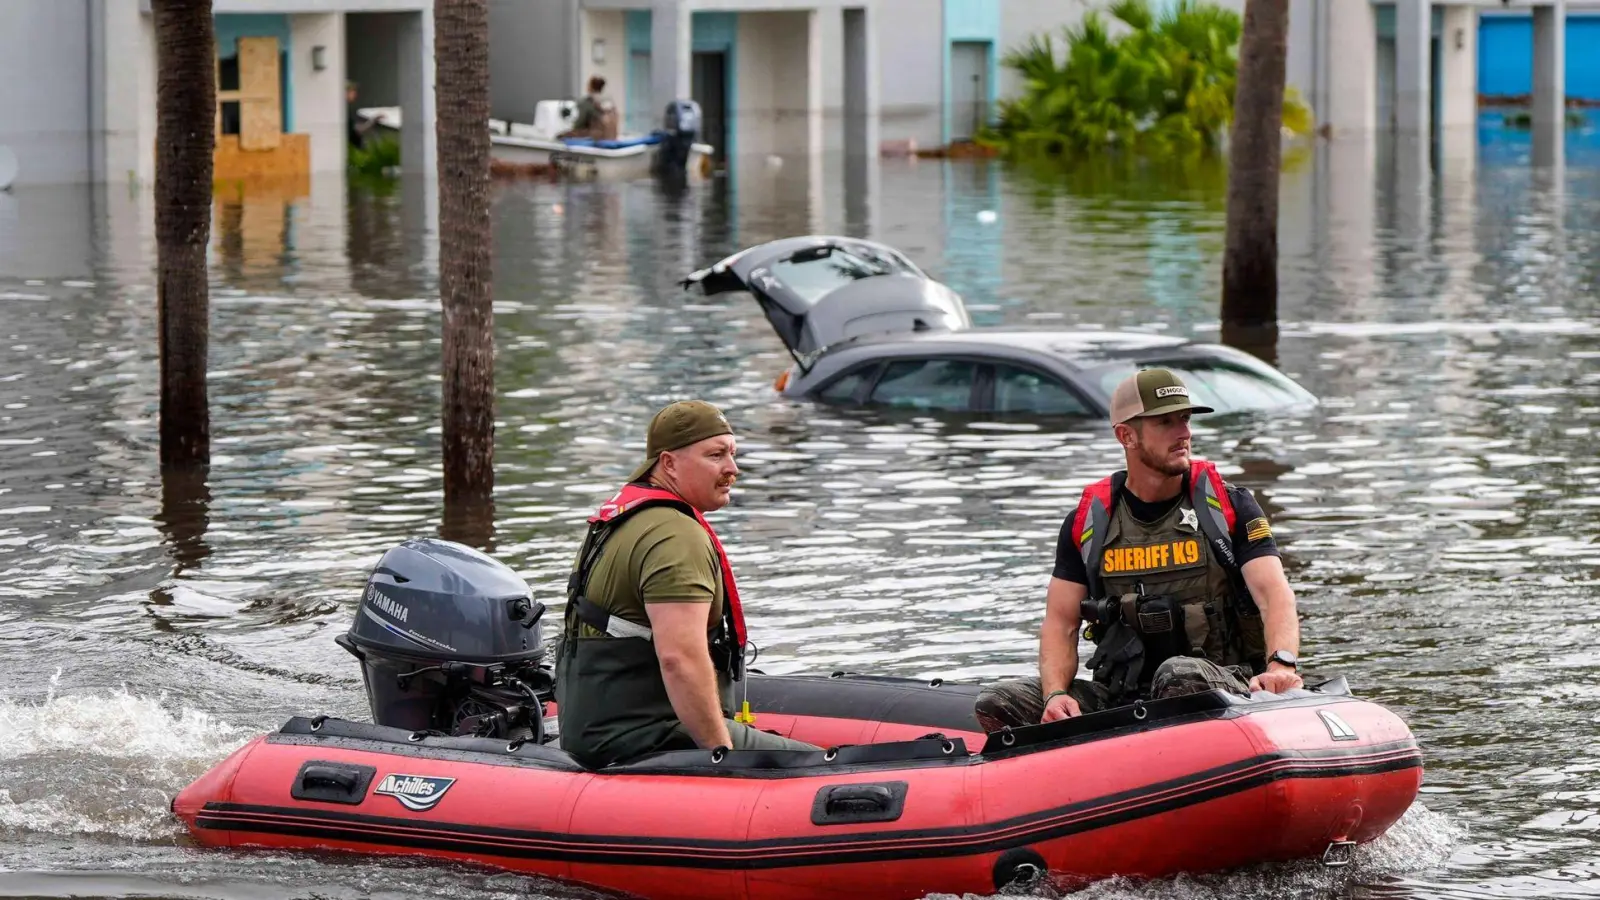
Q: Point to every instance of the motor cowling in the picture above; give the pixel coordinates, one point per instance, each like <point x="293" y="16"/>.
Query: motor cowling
<point x="680" y="128"/>
<point x="450" y="642"/>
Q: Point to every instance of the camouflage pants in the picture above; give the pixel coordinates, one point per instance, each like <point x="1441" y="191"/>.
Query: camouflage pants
<point x="1020" y="702"/>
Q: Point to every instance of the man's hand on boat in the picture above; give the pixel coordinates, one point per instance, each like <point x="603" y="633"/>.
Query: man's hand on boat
<point x="1059" y="707"/>
<point x="1277" y="679"/>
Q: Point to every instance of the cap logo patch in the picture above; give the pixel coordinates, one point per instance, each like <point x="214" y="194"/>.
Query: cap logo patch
<point x="1175" y="390"/>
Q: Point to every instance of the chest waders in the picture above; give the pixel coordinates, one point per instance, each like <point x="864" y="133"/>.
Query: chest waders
<point x="612" y="699"/>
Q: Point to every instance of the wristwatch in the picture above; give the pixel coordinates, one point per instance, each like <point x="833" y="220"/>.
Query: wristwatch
<point x="1284" y="658"/>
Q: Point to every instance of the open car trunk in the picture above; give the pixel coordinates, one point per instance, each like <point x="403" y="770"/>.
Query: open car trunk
<point x="818" y="291"/>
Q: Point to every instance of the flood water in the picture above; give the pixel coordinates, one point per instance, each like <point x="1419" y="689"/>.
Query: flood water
<point x="1439" y="512"/>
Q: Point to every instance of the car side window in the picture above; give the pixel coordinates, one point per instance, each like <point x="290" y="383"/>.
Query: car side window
<point x="926" y="384"/>
<point x="1018" y="390"/>
<point x="847" y="387"/>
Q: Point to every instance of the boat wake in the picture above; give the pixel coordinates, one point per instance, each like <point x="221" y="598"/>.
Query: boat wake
<point x="106" y="764"/>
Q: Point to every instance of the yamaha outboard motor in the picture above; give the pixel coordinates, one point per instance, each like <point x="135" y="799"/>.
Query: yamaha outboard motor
<point x="449" y="643"/>
<point x="680" y="128"/>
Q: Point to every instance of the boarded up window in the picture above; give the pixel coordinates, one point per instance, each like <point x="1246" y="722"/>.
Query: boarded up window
<point x="254" y="110"/>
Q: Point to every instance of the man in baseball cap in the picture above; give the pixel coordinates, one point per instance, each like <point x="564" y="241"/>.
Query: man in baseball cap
<point x="677" y="426"/>
<point x="653" y="636"/>
<point x="1151" y="392"/>
<point x="1174" y="570"/>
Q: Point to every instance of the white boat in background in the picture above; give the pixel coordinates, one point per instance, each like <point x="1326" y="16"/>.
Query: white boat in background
<point x="624" y="158"/>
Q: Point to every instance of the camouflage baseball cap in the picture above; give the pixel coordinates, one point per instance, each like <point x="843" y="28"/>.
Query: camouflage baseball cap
<point x="1151" y="392"/>
<point x="676" y="426"/>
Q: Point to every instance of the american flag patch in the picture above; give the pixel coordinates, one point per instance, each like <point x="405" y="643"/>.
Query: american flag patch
<point x="1257" y="529"/>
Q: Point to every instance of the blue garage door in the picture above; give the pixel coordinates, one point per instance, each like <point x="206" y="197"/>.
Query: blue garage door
<point x="1505" y="56"/>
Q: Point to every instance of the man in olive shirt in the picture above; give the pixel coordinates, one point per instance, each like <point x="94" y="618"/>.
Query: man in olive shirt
<point x="654" y="632"/>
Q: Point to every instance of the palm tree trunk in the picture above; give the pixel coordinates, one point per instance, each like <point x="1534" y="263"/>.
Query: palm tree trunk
<point x="186" y="96"/>
<point x="1250" y="261"/>
<point x="461" y="55"/>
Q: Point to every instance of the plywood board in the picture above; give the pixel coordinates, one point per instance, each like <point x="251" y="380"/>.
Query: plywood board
<point x="291" y="159"/>
<point x="261" y="100"/>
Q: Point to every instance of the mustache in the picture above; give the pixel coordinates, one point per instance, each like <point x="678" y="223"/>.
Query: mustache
<point x="727" y="482"/>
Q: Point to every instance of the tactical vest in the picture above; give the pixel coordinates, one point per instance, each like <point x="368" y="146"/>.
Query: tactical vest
<point x="1186" y="559"/>
<point x="612" y="700"/>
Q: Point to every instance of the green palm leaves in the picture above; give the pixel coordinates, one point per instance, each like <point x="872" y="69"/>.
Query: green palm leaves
<point x="1154" y="84"/>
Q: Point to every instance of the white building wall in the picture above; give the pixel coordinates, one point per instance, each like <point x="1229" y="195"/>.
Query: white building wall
<point x="319" y="105"/>
<point x="535" y="54"/>
<point x="1021" y="21"/>
<point x="911" y="69"/>
<point x="609" y="26"/>
<point x="756" y="76"/>
<point x="45" y="89"/>
<point x="126" y="79"/>
<point x="774" y="111"/>
<point x="1333" y="62"/>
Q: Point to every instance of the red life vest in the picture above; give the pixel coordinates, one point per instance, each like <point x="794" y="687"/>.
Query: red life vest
<point x="633" y="497"/>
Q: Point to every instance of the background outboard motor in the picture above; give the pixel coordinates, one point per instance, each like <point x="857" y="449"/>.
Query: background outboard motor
<point x="449" y="643"/>
<point x="680" y="128"/>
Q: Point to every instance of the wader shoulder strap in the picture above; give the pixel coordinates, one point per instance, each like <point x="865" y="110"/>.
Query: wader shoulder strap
<point x="606" y="623"/>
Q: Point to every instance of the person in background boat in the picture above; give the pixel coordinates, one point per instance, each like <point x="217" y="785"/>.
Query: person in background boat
<point x="653" y="635"/>
<point x="355" y="126"/>
<point x="1174" y="569"/>
<point x="597" y="114"/>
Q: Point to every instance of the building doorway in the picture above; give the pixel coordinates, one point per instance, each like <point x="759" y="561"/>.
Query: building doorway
<point x="969" y="88"/>
<point x="709" y="87"/>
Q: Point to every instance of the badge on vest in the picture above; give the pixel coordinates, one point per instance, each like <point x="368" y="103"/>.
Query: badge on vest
<point x="1189" y="518"/>
<point x="1159" y="557"/>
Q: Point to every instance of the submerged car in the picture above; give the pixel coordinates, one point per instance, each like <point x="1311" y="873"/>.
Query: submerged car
<point x="867" y="327"/>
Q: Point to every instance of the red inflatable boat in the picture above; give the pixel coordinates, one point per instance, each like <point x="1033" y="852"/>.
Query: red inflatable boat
<point x="912" y="799"/>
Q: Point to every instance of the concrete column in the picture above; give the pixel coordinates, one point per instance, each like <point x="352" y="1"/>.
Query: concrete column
<point x="319" y="95"/>
<point x="1458" y="108"/>
<point x="1344" y="71"/>
<point x="1413" y="82"/>
<point x="1549" y="84"/>
<point x="1458" y="67"/>
<point x="814" y="101"/>
<point x="860" y="82"/>
<point x="418" y="137"/>
<point x="671" y="42"/>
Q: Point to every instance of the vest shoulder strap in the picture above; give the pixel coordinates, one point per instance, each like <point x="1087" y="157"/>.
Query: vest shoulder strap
<point x="1209" y="496"/>
<point x="1091" y="521"/>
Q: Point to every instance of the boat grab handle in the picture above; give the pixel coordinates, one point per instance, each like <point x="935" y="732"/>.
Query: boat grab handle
<point x="839" y="804"/>
<point x="331" y="782"/>
<point x="331" y="777"/>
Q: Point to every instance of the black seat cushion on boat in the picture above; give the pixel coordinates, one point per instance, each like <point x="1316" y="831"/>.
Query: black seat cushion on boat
<point x="751" y="763"/>
<point x="343" y="731"/>
<point x="935" y="705"/>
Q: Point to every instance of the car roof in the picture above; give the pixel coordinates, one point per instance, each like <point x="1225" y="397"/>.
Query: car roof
<point x="1079" y="348"/>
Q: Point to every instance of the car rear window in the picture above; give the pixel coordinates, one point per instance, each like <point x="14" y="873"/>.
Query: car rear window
<point x="812" y="277"/>
<point x="1223" y="386"/>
